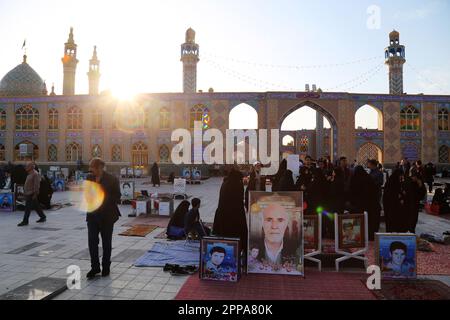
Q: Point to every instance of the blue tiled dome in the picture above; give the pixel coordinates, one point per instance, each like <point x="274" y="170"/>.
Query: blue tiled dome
<point x="21" y="81"/>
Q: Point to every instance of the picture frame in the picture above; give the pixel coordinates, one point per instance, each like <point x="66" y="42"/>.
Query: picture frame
<point x="220" y="259"/>
<point x="281" y="212"/>
<point x="311" y="232"/>
<point x="19" y="192"/>
<point x="126" y="190"/>
<point x="396" y="255"/>
<point x="7" y="202"/>
<point x="351" y="231"/>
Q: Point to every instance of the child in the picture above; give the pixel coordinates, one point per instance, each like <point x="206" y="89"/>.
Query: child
<point x="192" y="220"/>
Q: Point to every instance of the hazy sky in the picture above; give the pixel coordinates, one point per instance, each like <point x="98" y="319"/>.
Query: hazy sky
<point x="139" y="43"/>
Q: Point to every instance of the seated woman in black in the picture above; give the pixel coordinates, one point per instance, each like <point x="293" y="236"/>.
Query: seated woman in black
<point x="175" y="228"/>
<point x="440" y="199"/>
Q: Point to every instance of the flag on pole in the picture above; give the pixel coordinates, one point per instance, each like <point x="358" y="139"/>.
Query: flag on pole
<point x="24" y="43"/>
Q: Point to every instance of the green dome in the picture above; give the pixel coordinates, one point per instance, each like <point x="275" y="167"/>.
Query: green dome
<point x="22" y="81"/>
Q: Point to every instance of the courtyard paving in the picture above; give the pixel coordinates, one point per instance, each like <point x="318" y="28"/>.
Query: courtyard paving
<point x="46" y="250"/>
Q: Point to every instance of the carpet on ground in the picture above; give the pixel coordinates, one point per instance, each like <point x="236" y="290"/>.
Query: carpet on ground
<point x="315" y="286"/>
<point x="176" y="252"/>
<point x="139" y="230"/>
<point x="159" y="221"/>
<point x="412" y="290"/>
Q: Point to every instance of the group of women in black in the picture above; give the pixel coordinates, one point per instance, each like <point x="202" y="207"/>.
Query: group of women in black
<point x="327" y="189"/>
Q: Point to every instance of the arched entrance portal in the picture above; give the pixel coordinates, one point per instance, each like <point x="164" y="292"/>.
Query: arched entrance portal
<point x="369" y="151"/>
<point x="315" y="133"/>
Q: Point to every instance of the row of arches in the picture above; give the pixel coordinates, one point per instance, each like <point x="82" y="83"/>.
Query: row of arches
<point x="243" y="116"/>
<point x="74" y="153"/>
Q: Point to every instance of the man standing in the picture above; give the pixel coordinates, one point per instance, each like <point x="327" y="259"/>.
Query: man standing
<point x="101" y="220"/>
<point x="31" y="190"/>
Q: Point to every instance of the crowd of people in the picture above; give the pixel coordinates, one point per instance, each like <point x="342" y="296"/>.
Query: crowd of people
<point x="332" y="188"/>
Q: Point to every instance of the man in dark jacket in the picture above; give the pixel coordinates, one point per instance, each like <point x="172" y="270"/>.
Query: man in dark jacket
<point x="101" y="220"/>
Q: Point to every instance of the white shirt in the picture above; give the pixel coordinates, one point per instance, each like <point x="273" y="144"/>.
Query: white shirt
<point x="273" y="257"/>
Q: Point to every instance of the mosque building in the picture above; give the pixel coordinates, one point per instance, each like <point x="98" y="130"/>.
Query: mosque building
<point x="68" y="130"/>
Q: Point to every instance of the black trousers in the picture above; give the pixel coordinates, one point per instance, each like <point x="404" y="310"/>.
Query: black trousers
<point x="32" y="204"/>
<point x="96" y="227"/>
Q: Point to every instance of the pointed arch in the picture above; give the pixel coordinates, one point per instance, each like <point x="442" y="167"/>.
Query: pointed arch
<point x="73" y="152"/>
<point x="27" y="118"/>
<point x="243" y="116"/>
<point x="74" y="118"/>
<point x="116" y="153"/>
<point x="31" y="151"/>
<point x="369" y="151"/>
<point x="52" y="153"/>
<point x="139" y="154"/>
<point x="444" y="154"/>
<point x="288" y="141"/>
<point x="409" y="119"/>
<point x="164" y="154"/>
<point x="368" y="117"/>
<point x="53" y="119"/>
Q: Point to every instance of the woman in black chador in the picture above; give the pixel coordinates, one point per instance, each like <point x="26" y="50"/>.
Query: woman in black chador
<point x="155" y="175"/>
<point x="279" y="175"/>
<point x="392" y="196"/>
<point x="230" y="219"/>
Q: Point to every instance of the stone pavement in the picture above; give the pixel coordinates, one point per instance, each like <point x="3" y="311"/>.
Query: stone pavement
<point x="46" y="250"/>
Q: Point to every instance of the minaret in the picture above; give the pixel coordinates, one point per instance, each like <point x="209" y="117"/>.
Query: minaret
<point x="395" y="58"/>
<point x="94" y="73"/>
<point x="70" y="65"/>
<point x="190" y="58"/>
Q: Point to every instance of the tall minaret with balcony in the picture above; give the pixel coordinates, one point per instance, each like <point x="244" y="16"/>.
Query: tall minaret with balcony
<point x="394" y="59"/>
<point x="190" y="58"/>
<point x="70" y="65"/>
<point x="94" y="73"/>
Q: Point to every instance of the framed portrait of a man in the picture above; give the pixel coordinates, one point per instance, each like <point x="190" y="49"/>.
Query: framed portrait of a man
<point x="351" y="229"/>
<point x="19" y="192"/>
<point x="275" y="242"/>
<point x="220" y="259"/>
<point x="311" y="232"/>
<point x="396" y="255"/>
<point x="127" y="190"/>
<point x="7" y="202"/>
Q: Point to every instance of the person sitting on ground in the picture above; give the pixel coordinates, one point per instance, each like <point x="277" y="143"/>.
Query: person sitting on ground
<point x="171" y="178"/>
<point x="175" y="228"/>
<point x="192" y="222"/>
<point x="440" y="199"/>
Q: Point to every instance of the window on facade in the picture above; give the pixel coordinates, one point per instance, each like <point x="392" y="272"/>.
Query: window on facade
<point x="97" y="119"/>
<point x="116" y="153"/>
<point x="139" y="154"/>
<point x="444" y="154"/>
<point x="26" y="151"/>
<point x="2" y="153"/>
<point x="27" y="118"/>
<point x="164" y="119"/>
<point x="52" y="153"/>
<point x="443" y="120"/>
<point x="164" y="154"/>
<point x="304" y="143"/>
<point x="199" y="113"/>
<point x="74" y="119"/>
<point x="53" y="119"/>
<point x="409" y="119"/>
<point x="2" y="120"/>
<point x="73" y="152"/>
<point x="96" y="151"/>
